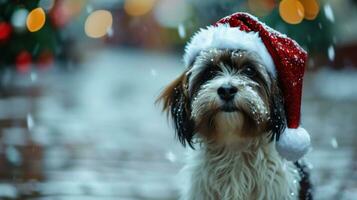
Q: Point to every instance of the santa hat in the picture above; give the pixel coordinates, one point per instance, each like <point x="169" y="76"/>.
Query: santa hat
<point x="283" y="58"/>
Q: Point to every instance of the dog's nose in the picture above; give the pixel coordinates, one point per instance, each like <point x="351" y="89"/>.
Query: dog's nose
<point x="226" y="92"/>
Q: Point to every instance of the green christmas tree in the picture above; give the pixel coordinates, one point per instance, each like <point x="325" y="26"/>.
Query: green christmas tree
<point x="21" y="49"/>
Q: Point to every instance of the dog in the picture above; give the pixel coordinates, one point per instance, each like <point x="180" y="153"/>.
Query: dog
<point x="229" y="108"/>
<point x="237" y="105"/>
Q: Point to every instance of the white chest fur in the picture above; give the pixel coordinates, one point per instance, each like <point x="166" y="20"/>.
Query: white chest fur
<point x="225" y="174"/>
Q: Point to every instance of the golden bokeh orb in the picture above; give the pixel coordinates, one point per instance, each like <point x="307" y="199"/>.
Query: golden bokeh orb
<point x="98" y="23"/>
<point x="36" y="19"/>
<point x="291" y="11"/>
<point x="311" y="8"/>
<point x="138" y="7"/>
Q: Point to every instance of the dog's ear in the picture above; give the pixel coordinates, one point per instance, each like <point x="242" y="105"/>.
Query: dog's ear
<point x="277" y="122"/>
<point x="177" y="104"/>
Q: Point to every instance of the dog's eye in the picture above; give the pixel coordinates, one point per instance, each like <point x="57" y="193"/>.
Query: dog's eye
<point x="204" y="76"/>
<point x="249" y="71"/>
<point x="209" y="74"/>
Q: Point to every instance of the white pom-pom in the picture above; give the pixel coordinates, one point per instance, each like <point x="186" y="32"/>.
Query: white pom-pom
<point x="293" y="144"/>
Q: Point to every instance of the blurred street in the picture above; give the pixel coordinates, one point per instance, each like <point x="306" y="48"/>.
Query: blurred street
<point x="91" y="141"/>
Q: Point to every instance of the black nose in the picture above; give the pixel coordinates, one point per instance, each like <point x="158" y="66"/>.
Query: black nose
<point x="226" y="92"/>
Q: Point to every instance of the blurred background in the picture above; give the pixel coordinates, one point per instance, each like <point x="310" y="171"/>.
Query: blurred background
<point x="78" y="81"/>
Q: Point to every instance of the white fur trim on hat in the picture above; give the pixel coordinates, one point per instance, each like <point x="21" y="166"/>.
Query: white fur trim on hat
<point x="293" y="143"/>
<point x="225" y="37"/>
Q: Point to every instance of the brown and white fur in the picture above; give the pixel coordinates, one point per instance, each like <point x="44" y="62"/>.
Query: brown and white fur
<point x="232" y="130"/>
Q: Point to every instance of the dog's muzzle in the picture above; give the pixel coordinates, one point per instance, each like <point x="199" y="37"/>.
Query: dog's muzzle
<point x="226" y="93"/>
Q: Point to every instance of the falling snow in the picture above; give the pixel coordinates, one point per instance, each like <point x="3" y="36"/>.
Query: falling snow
<point x="182" y="31"/>
<point x="170" y="156"/>
<point x="110" y="32"/>
<point x="329" y="13"/>
<point x="30" y="122"/>
<point x="334" y="143"/>
<point x="331" y="53"/>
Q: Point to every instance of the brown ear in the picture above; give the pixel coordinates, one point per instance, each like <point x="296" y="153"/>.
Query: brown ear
<point x="177" y="104"/>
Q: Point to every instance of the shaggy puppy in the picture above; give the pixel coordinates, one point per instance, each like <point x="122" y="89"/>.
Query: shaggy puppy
<point x="238" y="105"/>
<point x="235" y="107"/>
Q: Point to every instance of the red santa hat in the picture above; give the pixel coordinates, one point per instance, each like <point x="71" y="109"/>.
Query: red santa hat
<point x="283" y="58"/>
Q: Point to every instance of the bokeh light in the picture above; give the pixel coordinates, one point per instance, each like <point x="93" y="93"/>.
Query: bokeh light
<point x="172" y="13"/>
<point x="46" y="4"/>
<point x="23" y="61"/>
<point x="138" y="7"/>
<point x="65" y="10"/>
<point x="5" y="31"/>
<point x="98" y="23"/>
<point x="18" y="19"/>
<point x="45" y="60"/>
<point x="261" y="7"/>
<point x="36" y="20"/>
<point x="291" y="11"/>
<point x="311" y="8"/>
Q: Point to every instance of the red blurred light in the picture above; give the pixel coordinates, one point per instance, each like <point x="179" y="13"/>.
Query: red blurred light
<point x="5" y="31"/>
<point x="45" y="60"/>
<point x="23" y="62"/>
